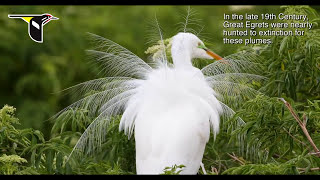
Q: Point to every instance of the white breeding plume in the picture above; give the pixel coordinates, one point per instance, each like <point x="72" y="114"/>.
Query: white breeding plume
<point x="169" y="108"/>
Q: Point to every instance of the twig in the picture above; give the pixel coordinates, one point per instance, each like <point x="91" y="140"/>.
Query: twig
<point x="236" y="158"/>
<point x="217" y="162"/>
<point x="315" y="153"/>
<point x="214" y="170"/>
<point x="301" y="124"/>
<point x="295" y="138"/>
<point x="311" y="169"/>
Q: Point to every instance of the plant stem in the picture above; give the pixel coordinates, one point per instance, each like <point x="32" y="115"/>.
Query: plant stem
<point x="311" y="169"/>
<point x="236" y="158"/>
<point x="294" y="138"/>
<point x="302" y="125"/>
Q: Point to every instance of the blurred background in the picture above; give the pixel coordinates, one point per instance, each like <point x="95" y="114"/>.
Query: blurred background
<point x="32" y="74"/>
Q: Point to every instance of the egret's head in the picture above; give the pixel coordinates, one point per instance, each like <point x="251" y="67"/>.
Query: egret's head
<point x="188" y="44"/>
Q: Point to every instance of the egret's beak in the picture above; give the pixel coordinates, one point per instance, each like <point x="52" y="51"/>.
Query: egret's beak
<point x="215" y="56"/>
<point x="212" y="54"/>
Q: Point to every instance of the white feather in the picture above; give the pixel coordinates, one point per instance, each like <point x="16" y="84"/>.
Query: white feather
<point x="174" y="108"/>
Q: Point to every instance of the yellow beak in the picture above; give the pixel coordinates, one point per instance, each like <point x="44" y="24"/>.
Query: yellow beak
<point x="214" y="55"/>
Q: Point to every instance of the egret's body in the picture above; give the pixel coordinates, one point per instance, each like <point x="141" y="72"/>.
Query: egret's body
<point x="169" y="109"/>
<point x="173" y="110"/>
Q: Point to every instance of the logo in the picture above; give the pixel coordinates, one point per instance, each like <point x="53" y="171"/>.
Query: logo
<point x="35" y="24"/>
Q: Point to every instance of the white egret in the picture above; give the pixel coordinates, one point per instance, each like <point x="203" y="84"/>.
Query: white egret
<point x="173" y="110"/>
<point x="170" y="108"/>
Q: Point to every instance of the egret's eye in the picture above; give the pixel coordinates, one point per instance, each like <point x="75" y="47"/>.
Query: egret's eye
<point x="201" y="45"/>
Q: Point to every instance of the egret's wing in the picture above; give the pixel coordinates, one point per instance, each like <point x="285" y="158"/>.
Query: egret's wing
<point x="244" y="78"/>
<point x="116" y="60"/>
<point x="249" y="63"/>
<point x="91" y="140"/>
<point x="235" y="88"/>
<point x="235" y="77"/>
<point x="104" y="98"/>
<point x="82" y="89"/>
<point x="95" y="93"/>
<point x="92" y="96"/>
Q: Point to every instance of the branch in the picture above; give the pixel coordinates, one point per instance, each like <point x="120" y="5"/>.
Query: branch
<point x="214" y="170"/>
<point x="311" y="169"/>
<point x="315" y="153"/>
<point x="302" y="125"/>
<point x="236" y="158"/>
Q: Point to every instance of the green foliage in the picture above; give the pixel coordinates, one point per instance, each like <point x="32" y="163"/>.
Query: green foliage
<point x="173" y="170"/>
<point x="117" y="153"/>
<point x="292" y="64"/>
<point x="50" y="157"/>
<point x="156" y="50"/>
<point x="263" y="169"/>
<point x="268" y="124"/>
<point x="9" y="163"/>
<point x="103" y="168"/>
<point x="42" y="156"/>
<point x="15" y="140"/>
<point x="272" y="141"/>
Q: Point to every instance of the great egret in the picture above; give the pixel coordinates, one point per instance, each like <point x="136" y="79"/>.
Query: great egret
<point x="174" y="108"/>
<point x="169" y="107"/>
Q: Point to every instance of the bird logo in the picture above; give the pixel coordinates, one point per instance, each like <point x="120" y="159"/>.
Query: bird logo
<point x="35" y="24"/>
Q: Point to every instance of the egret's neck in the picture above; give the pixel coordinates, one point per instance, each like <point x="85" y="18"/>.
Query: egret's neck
<point x="181" y="58"/>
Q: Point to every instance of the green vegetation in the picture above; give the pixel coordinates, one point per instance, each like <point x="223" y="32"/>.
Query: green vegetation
<point x="31" y="75"/>
<point x="174" y="170"/>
